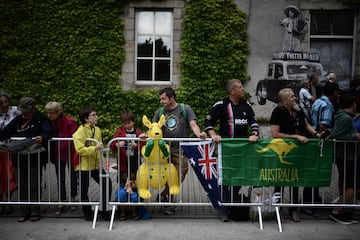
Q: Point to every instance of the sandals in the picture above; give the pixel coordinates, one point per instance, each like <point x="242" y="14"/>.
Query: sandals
<point x="122" y="216"/>
<point x="35" y="218"/>
<point x="58" y="210"/>
<point x="295" y="217"/>
<point x="22" y="218"/>
<point x="135" y="216"/>
<point x="74" y="208"/>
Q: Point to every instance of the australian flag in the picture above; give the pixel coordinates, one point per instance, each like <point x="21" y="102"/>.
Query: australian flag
<point x="202" y="158"/>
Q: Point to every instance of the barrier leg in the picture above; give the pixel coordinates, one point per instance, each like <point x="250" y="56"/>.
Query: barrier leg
<point x="95" y="215"/>
<point x="112" y="217"/>
<point x="278" y="218"/>
<point x="260" y="218"/>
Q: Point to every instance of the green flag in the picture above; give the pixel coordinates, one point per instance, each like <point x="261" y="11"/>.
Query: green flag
<point x="275" y="162"/>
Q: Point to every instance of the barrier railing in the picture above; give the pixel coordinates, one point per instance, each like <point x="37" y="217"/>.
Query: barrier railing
<point x="261" y="200"/>
<point x="310" y="198"/>
<point x="46" y="178"/>
<point x="191" y="191"/>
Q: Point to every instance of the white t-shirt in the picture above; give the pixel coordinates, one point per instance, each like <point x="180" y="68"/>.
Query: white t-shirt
<point x="304" y="98"/>
<point x="6" y="117"/>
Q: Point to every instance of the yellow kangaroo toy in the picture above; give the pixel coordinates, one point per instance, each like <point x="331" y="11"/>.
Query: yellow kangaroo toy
<point x="156" y="171"/>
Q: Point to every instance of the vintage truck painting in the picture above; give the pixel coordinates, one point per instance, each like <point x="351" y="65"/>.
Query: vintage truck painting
<point x="288" y="69"/>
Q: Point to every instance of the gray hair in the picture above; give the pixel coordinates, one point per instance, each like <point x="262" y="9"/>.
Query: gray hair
<point x="54" y="107"/>
<point x="231" y="84"/>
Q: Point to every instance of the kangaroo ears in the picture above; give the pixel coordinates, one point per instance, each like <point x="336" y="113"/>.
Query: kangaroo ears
<point x="161" y="121"/>
<point x="146" y="121"/>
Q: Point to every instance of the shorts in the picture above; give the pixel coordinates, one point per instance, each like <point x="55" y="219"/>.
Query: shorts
<point x="183" y="163"/>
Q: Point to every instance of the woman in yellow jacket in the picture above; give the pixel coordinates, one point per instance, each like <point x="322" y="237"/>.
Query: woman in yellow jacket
<point x="88" y="150"/>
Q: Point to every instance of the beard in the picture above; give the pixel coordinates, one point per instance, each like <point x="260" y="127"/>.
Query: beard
<point x="296" y="107"/>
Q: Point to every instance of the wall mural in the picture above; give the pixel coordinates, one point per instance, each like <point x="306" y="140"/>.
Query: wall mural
<point x="291" y="66"/>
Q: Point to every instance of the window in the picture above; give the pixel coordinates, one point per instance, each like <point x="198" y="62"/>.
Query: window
<point x="278" y="71"/>
<point x="271" y="69"/>
<point x="332" y="23"/>
<point x="153" y="46"/>
<point x="332" y="35"/>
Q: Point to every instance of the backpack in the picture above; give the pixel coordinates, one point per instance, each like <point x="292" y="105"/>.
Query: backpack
<point x="182" y="109"/>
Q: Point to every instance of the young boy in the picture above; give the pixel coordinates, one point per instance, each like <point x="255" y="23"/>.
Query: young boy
<point x="346" y="160"/>
<point x="127" y="155"/>
<point x="90" y="157"/>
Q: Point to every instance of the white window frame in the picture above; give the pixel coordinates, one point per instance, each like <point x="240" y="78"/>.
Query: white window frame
<point x="153" y="58"/>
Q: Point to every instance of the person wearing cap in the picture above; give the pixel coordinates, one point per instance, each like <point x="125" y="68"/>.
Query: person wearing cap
<point x="30" y="124"/>
<point x="7" y="175"/>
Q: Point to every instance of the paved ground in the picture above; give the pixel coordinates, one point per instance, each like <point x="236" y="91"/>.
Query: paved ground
<point x="174" y="228"/>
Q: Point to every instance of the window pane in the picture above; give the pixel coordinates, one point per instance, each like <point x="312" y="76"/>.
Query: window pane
<point x="145" y="23"/>
<point x="320" y="24"/>
<point x="332" y="23"/>
<point x="144" y="70"/>
<point x="163" y="23"/>
<point x="162" y="47"/>
<point x="336" y="56"/>
<point x="162" y="70"/>
<point x="343" y="24"/>
<point x="144" y="46"/>
<point x="270" y="72"/>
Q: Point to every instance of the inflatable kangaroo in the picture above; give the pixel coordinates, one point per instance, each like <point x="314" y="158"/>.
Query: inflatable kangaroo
<point x="156" y="171"/>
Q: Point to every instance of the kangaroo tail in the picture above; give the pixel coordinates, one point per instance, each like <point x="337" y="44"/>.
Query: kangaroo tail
<point x="265" y="149"/>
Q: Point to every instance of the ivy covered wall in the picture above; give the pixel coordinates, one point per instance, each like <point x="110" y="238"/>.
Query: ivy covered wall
<point x="72" y="52"/>
<point x="215" y="50"/>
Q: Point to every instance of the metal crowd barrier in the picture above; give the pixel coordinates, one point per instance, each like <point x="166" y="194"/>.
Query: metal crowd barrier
<point x="72" y="189"/>
<point x="191" y="194"/>
<point x="49" y="191"/>
<point x="260" y="199"/>
<point x="328" y="197"/>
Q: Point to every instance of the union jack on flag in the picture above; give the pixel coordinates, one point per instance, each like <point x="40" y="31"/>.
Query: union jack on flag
<point x="202" y="158"/>
<point x="207" y="162"/>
